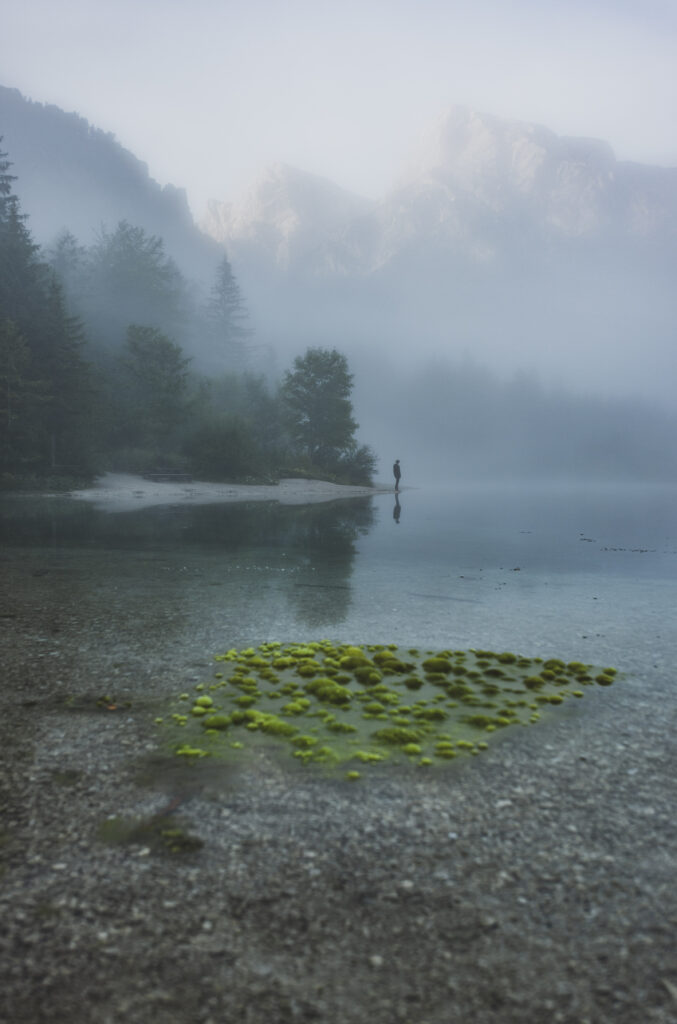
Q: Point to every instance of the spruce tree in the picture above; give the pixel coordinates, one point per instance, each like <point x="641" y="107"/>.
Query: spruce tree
<point x="42" y="369"/>
<point x="20" y="401"/>
<point x="22" y="275"/>
<point x="227" y="318"/>
<point x="131" y="280"/>
<point x="157" y="385"/>
<point x="66" y="415"/>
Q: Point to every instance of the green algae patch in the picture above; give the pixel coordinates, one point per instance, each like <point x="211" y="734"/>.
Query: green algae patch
<point x="159" y="835"/>
<point x="334" y="705"/>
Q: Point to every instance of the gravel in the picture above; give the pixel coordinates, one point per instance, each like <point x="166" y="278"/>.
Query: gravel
<point x="533" y="883"/>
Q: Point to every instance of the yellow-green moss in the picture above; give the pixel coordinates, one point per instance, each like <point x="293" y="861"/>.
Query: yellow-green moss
<point x="397" y="736"/>
<point x="329" y="690"/>
<point x="343" y="691"/>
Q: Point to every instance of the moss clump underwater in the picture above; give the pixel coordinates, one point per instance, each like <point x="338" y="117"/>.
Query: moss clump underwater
<point x="158" y="834"/>
<point x="348" y="705"/>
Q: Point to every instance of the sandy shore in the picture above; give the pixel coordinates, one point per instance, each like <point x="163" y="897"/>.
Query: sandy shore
<point x="123" y="492"/>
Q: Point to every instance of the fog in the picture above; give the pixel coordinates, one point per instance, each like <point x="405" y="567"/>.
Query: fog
<point x="564" y="370"/>
<point x="461" y="218"/>
<point x="210" y="94"/>
<point x="551" y="361"/>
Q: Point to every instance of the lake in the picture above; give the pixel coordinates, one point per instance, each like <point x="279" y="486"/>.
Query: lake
<point x="578" y="570"/>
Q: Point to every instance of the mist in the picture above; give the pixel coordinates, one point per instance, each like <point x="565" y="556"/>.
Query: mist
<point x="506" y="309"/>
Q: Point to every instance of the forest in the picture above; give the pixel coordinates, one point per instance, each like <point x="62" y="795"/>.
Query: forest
<point x="95" y="374"/>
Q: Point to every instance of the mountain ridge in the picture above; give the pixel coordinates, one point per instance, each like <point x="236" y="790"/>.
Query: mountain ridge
<point x="501" y="241"/>
<point x="473" y="175"/>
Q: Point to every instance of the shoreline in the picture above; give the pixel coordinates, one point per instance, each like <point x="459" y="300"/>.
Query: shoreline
<point x="124" y="492"/>
<point x="533" y="883"/>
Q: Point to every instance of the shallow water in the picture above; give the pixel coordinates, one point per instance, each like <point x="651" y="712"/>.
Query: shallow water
<point x="577" y="571"/>
<point x="582" y="571"/>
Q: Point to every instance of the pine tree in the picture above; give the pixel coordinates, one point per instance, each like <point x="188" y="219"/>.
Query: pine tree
<point x="22" y="275"/>
<point x="68" y="260"/>
<point x="20" y="401"/>
<point x="67" y="413"/>
<point x="157" y="372"/>
<point x="43" y="372"/>
<point x="227" y="317"/>
<point x="131" y="280"/>
<point x="6" y="180"/>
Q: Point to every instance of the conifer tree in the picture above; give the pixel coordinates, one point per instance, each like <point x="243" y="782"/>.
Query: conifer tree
<point x="227" y="317"/>
<point x="42" y="369"/>
<point x="157" y="373"/>
<point x="131" y="280"/>
<point x="22" y="275"/>
<point x="68" y="260"/>
<point x="67" y="411"/>
<point x="20" y="398"/>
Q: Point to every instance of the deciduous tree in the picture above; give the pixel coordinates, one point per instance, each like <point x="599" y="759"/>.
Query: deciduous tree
<point x="319" y="412"/>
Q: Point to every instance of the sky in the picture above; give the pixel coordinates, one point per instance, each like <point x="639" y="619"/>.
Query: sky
<point x="209" y="92"/>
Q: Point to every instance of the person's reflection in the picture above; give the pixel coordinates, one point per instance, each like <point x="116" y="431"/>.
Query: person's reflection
<point x="397" y="510"/>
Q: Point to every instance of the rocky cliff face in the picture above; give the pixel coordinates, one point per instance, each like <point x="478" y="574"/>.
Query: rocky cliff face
<point x="501" y="240"/>
<point x="284" y="217"/>
<point x="572" y="187"/>
<point x="479" y="188"/>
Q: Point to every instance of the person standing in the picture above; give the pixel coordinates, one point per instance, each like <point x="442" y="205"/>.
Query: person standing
<point x="397" y="473"/>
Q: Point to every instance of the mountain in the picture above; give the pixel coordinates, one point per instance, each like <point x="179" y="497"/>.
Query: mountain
<point x="474" y="183"/>
<point x="496" y="306"/>
<point x="284" y="213"/>
<point x="75" y="176"/>
<point x="572" y="187"/>
<point x="502" y="241"/>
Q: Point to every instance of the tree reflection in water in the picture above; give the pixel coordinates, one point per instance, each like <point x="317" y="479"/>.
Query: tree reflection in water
<point x="322" y="538"/>
<point x="308" y="550"/>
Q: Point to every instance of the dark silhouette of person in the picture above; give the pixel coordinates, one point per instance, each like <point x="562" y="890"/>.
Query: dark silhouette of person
<point x="397" y="473"/>
<point x="397" y="510"/>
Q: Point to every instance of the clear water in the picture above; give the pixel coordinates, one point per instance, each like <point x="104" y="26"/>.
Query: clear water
<point x="576" y="571"/>
<point x="571" y="570"/>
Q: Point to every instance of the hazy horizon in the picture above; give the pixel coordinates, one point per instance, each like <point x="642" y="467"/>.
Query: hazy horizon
<point x="208" y="98"/>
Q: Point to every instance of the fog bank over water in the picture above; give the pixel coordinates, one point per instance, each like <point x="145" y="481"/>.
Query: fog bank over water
<point x="449" y="420"/>
<point x="507" y="308"/>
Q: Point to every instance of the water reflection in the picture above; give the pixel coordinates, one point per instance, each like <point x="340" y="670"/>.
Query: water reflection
<point x="398" y="509"/>
<point x="304" y="554"/>
<point x="323" y="542"/>
<point x="61" y="521"/>
<point x="586" y="571"/>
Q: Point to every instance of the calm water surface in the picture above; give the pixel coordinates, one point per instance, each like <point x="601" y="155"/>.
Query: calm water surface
<point x="579" y="571"/>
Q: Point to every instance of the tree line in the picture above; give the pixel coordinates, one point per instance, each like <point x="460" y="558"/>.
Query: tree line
<point x="95" y="375"/>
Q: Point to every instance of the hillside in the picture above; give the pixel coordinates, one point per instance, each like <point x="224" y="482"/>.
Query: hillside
<point x="73" y="175"/>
